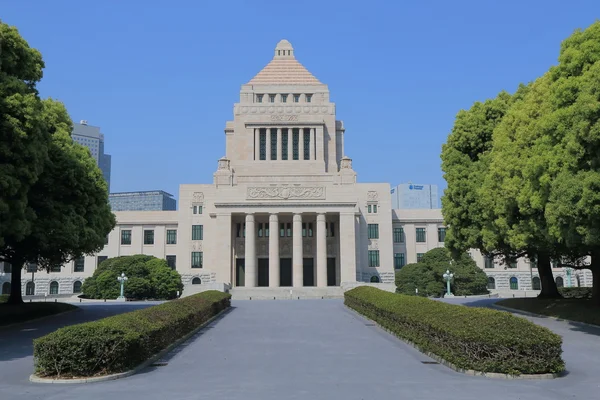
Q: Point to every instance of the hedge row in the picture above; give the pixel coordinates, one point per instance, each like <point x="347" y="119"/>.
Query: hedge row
<point x="576" y="292"/>
<point x="477" y="339"/>
<point x="121" y="342"/>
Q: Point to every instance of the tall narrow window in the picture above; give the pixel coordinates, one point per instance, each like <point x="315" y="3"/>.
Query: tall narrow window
<point x="172" y="261"/>
<point x="398" y="260"/>
<point x="421" y="235"/>
<point x="306" y="144"/>
<point x="100" y="260"/>
<point x="398" y="235"/>
<point x="281" y="230"/>
<point x="420" y="256"/>
<point x="238" y="230"/>
<point x="373" y="231"/>
<point x="260" y="229"/>
<point x="369" y="209"/>
<point x="332" y="229"/>
<point x="295" y="143"/>
<point x="284" y="98"/>
<point x="126" y="236"/>
<point x="259" y="98"/>
<point x="488" y="262"/>
<point x="308" y="97"/>
<point x="514" y="283"/>
<point x="263" y="144"/>
<point x="304" y="229"/>
<point x="296" y="98"/>
<point x="271" y="98"/>
<point x="441" y="235"/>
<point x="284" y="144"/>
<point x="289" y="230"/>
<point x="373" y="258"/>
<point x="310" y="229"/>
<point x="196" y="259"/>
<point x="149" y="236"/>
<point x="374" y="208"/>
<point x="79" y="264"/>
<point x="197" y="232"/>
<point x="171" y="236"/>
<point x="273" y="143"/>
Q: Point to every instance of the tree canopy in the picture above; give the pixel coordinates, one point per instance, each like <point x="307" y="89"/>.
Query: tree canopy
<point x="427" y="275"/>
<point x="148" y="278"/>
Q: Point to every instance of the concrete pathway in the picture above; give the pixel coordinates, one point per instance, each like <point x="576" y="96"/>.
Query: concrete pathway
<point x="307" y="349"/>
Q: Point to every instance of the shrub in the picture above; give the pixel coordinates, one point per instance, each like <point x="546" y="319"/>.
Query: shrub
<point x="470" y="338"/>
<point x="148" y="278"/>
<point x="427" y="275"/>
<point x="121" y="342"/>
<point x="576" y="292"/>
<point x="3" y="298"/>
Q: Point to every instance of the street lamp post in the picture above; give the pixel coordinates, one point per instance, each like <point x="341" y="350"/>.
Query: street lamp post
<point x="122" y="279"/>
<point x="569" y="274"/>
<point x="448" y="277"/>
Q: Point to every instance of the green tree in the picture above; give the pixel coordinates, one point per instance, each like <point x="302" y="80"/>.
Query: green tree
<point x="23" y="138"/>
<point x="427" y="275"/>
<point x="148" y="278"/>
<point x="69" y="202"/>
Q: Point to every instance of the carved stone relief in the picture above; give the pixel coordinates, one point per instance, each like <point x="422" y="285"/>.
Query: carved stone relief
<point x="198" y="196"/>
<point x="286" y="193"/>
<point x="197" y="246"/>
<point x="346" y="163"/>
<point x="286" y="248"/>
<point x="372" y="196"/>
<point x="373" y="244"/>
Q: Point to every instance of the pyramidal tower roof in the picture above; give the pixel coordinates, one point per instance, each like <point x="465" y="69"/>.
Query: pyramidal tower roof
<point x="284" y="69"/>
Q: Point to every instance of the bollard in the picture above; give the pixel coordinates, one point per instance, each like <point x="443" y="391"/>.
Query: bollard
<point x="56" y="300"/>
<point x="105" y="300"/>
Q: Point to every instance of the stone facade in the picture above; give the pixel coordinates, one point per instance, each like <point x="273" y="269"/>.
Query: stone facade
<point x="284" y="208"/>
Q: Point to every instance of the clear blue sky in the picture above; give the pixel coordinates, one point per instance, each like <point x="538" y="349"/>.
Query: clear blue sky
<point x="161" y="77"/>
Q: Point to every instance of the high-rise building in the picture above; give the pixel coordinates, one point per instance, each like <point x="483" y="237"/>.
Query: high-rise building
<point x="155" y="200"/>
<point x="90" y="137"/>
<point x="410" y="196"/>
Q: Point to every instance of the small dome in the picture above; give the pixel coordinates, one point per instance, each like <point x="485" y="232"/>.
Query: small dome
<point x="284" y="49"/>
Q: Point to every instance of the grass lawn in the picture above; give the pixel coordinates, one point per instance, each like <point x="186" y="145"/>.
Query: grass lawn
<point x="581" y="310"/>
<point x="10" y="314"/>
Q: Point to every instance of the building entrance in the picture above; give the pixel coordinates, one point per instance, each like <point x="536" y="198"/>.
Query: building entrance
<point x="285" y="272"/>
<point x="308" y="275"/>
<point x="263" y="272"/>
<point x="331" y="275"/>
<point x="240" y="276"/>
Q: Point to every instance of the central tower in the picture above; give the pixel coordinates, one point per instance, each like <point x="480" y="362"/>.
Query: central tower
<point x="284" y="129"/>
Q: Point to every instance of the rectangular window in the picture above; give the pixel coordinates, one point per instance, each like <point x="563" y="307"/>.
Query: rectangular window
<point x="398" y="235"/>
<point x="331" y="229"/>
<point x="304" y="229"/>
<point x="197" y="232"/>
<point x="57" y="268"/>
<point x="289" y="230"/>
<point x="106" y="240"/>
<point x="441" y="235"/>
<point x="488" y="262"/>
<point x="310" y="229"/>
<point x="308" y="97"/>
<point x="7" y="268"/>
<point x="100" y="259"/>
<point x="271" y="98"/>
<point x="79" y="264"/>
<point x="148" y="236"/>
<point x="296" y="98"/>
<point x="273" y="144"/>
<point x="263" y="144"/>
<point x="373" y="258"/>
<point x="421" y="235"/>
<point x="171" y="236"/>
<point x="259" y="98"/>
<point x="375" y="208"/>
<point x="172" y="261"/>
<point x="260" y="230"/>
<point x="282" y="230"/>
<point x="196" y="259"/>
<point x="373" y="231"/>
<point x="284" y="98"/>
<point x="284" y="144"/>
<point x="238" y="229"/>
<point x="420" y="256"/>
<point x="295" y="143"/>
<point x="126" y="236"/>
<point x="306" y="144"/>
<point x="197" y="209"/>
<point x="398" y="260"/>
<point x="369" y="209"/>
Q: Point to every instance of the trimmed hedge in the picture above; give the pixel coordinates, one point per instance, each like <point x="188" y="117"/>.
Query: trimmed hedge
<point x="470" y="338"/>
<point x="120" y="343"/>
<point x="576" y="292"/>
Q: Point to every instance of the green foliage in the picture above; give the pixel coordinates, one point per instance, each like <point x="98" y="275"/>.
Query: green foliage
<point x="470" y="338"/>
<point x="427" y="275"/>
<point x="576" y="292"/>
<point x="3" y="298"/>
<point x="120" y="343"/>
<point x="148" y="278"/>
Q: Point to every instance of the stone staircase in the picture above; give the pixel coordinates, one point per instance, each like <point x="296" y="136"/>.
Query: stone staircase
<point x="286" y="293"/>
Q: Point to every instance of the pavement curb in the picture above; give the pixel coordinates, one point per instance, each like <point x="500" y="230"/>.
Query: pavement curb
<point x="151" y="360"/>
<point x="469" y="372"/>
<point x="531" y="314"/>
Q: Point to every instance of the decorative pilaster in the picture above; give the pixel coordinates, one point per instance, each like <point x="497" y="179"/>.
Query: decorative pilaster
<point x="347" y="247"/>
<point x="274" y="249"/>
<point x="256" y="144"/>
<point x="297" y="254"/>
<point x="321" y="251"/>
<point x="250" y="256"/>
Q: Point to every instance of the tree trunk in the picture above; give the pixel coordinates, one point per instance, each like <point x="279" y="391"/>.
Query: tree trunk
<point x="544" y="267"/>
<point x="595" y="268"/>
<point x="15" y="282"/>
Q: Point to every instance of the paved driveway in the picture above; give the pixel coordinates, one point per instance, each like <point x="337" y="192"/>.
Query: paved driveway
<point x="307" y="349"/>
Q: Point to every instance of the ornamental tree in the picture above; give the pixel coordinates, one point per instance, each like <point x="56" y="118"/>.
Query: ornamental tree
<point x="68" y="203"/>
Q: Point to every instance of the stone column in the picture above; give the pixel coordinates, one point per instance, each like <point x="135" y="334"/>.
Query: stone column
<point x="279" y="144"/>
<point x="274" y="249"/>
<point x="250" y="257"/>
<point x="297" y="252"/>
<point x="257" y="144"/>
<point x="312" y="144"/>
<point x="347" y="248"/>
<point x="321" y="251"/>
